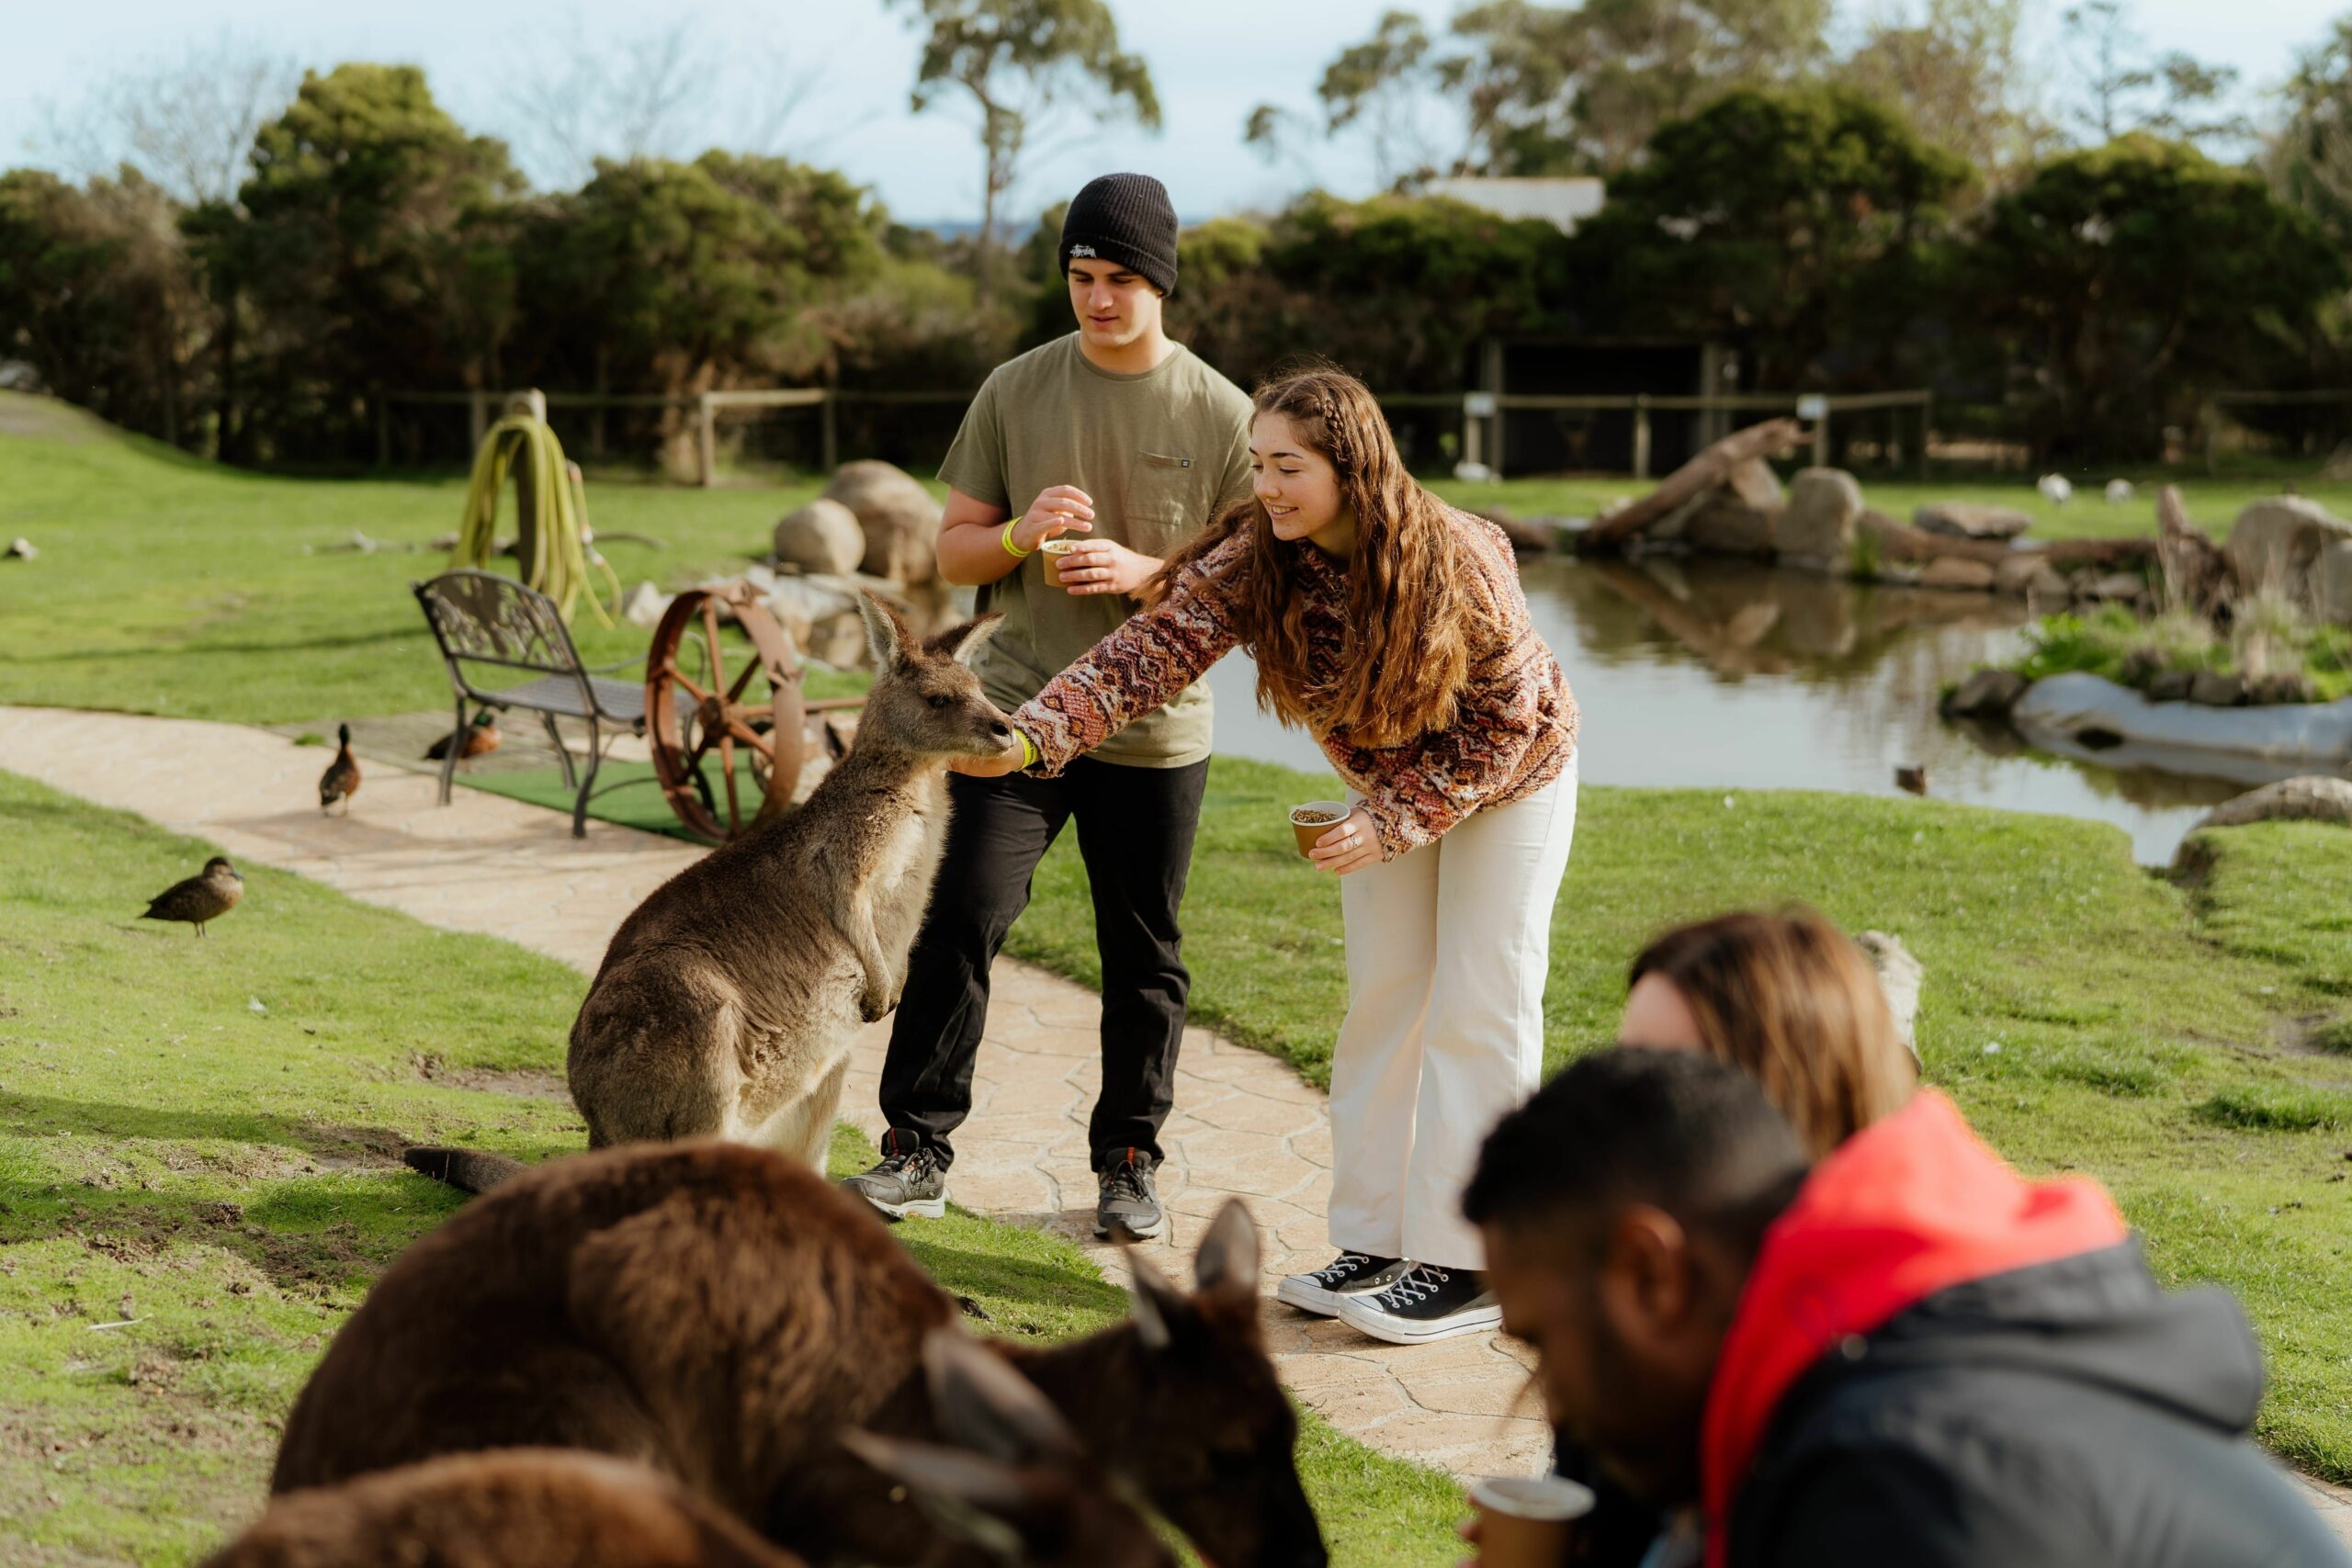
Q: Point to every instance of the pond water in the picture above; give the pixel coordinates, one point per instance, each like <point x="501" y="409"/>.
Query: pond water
<point x="1729" y="676"/>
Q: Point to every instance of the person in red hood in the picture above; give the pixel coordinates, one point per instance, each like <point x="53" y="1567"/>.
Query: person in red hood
<point x="1907" y="1354"/>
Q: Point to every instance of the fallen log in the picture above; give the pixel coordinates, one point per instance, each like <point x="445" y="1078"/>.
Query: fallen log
<point x="1773" y="438"/>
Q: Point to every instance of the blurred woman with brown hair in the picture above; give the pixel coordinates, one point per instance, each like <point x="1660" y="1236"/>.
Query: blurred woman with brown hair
<point x="1391" y="627"/>
<point x="1787" y="997"/>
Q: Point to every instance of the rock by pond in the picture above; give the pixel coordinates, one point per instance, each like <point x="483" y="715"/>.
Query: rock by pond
<point x="2080" y="709"/>
<point x="2313" y="798"/>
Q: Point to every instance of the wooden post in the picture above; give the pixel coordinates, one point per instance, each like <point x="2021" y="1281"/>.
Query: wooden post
<point x="1926" y="417"/>
<point x="1470" y="433"/>
<point x="533" y="402"/>
<point x="1642" y="436"/>
<point x="830" y="434"/>
<point x="1492" y="375"/>
<point x="476" y="419"/>
<point x="707" y="418"/>
<point x="1821" y="440"/>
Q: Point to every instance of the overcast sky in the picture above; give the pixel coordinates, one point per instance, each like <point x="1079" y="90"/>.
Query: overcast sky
<point x="854" y="60"/>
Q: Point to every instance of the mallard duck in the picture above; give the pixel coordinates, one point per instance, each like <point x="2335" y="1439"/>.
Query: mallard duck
<point x="481" y="738"/>
<point x="1912" y="780"/>
<point x="341" y="781"/>
<point x="206" y="897"/>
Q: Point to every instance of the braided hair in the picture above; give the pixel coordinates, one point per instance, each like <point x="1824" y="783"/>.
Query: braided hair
<point x="1407" y="656"/>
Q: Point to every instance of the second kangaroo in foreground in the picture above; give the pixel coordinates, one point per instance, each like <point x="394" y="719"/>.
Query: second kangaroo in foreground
<point x="731" y="1318"/>
<point x="727" y="1002"/>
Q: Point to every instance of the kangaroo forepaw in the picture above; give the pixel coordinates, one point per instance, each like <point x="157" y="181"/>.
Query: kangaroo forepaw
<point x="874" y="1006"/>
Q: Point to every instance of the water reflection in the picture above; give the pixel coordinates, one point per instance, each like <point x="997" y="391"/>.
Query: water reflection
<point x="1723" y="675"/>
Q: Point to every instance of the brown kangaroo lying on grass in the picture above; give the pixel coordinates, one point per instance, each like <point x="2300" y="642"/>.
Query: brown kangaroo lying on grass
<point x="729" y="1001"/>
<point x="724" y="1314"/>
<point x="1021" y="1488"/>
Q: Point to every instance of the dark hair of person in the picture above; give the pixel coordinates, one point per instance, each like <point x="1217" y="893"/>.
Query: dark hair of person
<point x="1678" y="1130"/>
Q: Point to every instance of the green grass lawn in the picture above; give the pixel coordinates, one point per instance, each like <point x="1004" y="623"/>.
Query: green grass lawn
<point x="202" y="1136"/>
<point x="170" y="586"/>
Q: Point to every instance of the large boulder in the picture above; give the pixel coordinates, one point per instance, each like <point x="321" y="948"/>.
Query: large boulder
<point x="2331" y="580"/>
<point x="2275" y="543"/>
<point x="1816" y="528"/>
<point x="899" y="519"/>
<point x="1752" y="483"/>
<point x="1728" y="526"/>
<point x="822" y="537"/>
<point x="2313" y="798"/>
<point x="1971" y="520"/>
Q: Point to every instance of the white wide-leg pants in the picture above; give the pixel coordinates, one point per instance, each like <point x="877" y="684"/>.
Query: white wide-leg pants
<point x="1448" y="947"/>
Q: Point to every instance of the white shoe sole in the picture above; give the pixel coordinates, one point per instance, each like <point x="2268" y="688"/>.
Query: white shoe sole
<point x="1405" y="1331"/>
<point x="1296" y="1292"/>
<point x="921" y="1209"/>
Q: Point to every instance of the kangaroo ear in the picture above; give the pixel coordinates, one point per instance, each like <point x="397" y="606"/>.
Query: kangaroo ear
<point x="1161" y="1309"/>
<point x="983" y="1405"/>
<point x="962" y="643"/>
<point x="1225" y="1266"/>
<point x="966" y="1493"/>
<point x="885" y="633"/>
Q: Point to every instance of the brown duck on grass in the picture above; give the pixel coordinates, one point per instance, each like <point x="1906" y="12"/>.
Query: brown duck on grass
<point x="479" y="738"/>
<point x="341" y="781"/>
<point x="202" y="898"/>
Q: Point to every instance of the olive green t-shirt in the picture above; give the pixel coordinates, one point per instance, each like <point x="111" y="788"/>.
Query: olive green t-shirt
<point x="1160" y="452"/>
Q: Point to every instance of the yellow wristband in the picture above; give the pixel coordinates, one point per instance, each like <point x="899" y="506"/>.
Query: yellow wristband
<point x="1028" y="749"/>
<point x="1005" y="539"/>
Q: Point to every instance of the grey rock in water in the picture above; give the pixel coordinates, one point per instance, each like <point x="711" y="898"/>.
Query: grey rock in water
<point x="1816" y="528"/>
<point x="1899" y="975"/>
<point x="2216" y="690"/>
<point x="1957" y="573"/>
<point x="2314" y="797"/>
<point x="1989" y="694"/>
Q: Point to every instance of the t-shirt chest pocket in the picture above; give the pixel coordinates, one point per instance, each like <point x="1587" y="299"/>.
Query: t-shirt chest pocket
<point x="1162" y="501"/>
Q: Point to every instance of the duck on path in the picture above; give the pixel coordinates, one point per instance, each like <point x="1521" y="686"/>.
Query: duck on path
<point x="341" y="781"/>
<point x="478" y="739"/>
<point x="206" y="895"/>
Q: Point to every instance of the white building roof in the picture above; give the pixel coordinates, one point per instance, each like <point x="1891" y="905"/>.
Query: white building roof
<point x="1561" y="202"/>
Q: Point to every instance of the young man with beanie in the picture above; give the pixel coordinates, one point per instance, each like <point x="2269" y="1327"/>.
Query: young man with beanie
<point x="1906" y="1354"/>
<point x="1121" y="437"/>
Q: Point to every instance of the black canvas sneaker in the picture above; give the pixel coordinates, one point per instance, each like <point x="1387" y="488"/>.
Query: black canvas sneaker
<point x="906" y="1185"/>
<point x="1343" y="1276"/>
<point x="1128" y="1203"/>
<point x="1425" y="1304"/>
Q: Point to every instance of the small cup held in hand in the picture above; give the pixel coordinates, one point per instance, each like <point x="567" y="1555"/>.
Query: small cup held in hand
<point x="1525" y="1521"/>
<point x="1053" y="550"/>
<point x="1317" y="817"/>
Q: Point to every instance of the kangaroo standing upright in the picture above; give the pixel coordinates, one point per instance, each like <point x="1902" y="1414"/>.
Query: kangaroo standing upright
<point x="727" y="1002"/>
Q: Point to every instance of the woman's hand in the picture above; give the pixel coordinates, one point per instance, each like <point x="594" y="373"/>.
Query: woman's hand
<point x="1353" y="844"/>
<point x="1005" y="761"/>
<point x="1100" y="566"/>
<point x="1059" y="509"/>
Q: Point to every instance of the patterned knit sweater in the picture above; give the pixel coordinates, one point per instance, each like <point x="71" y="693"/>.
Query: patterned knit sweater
<point x="1514" y="733"/>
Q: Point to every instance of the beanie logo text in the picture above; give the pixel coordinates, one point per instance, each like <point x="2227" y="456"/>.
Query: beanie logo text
<point x="1081" y="250"/>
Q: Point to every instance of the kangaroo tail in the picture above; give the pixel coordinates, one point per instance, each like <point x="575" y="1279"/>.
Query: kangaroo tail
<point x="468" y="1170"/>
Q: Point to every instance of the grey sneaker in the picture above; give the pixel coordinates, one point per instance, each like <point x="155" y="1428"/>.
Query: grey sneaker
<point x="1128" y="1205"/>
<point x="1322" y="1291"/>
<point x="906" y="1185"/>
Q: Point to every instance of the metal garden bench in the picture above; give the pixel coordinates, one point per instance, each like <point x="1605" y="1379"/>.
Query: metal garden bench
<point x="484" y="621"/>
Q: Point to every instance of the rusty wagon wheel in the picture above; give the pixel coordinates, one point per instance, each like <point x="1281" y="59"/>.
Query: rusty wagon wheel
<point x="724" y="717"/>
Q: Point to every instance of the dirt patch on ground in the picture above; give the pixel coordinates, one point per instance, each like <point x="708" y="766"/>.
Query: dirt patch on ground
<point x="525" y="1083"/>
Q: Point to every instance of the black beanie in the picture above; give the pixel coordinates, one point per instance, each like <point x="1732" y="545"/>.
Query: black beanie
<point x="1125" y="219"/>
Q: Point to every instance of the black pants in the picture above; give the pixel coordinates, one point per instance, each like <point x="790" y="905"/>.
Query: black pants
<point x="1135" y="833"/>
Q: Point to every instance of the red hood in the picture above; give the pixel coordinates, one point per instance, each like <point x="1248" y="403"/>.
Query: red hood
<point x="1913" y="1204"/>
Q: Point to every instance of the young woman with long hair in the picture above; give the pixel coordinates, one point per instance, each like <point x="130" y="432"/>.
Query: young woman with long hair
<point x="1392" y="627"/>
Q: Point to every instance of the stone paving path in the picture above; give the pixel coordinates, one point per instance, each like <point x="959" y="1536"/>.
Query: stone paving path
<point x="1244" y="1124"/>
